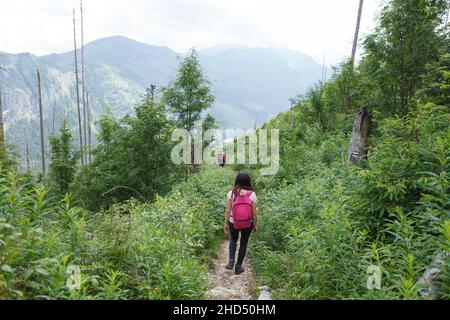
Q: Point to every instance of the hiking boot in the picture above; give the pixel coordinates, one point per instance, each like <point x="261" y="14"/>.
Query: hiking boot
<point x="238" y="269"/>
<point x="230" y="265"/>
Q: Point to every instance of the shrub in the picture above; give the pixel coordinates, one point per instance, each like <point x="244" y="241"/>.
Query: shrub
<point x="52" y="250"/>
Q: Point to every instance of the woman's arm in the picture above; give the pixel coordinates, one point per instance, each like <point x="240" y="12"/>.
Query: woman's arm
<point x="255" y="216"/>
<point x="227" y="216"/>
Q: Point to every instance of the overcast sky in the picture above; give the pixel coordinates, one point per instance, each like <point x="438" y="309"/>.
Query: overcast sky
<point x="309" y="26"/>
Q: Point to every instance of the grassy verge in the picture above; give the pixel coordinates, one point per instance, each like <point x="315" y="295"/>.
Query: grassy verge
<point x="133" y="250"/>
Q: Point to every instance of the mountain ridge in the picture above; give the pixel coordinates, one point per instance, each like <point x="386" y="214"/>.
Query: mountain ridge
<point x="253" y="82"/>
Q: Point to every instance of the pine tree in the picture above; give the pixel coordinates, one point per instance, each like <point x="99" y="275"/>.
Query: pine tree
<point x="401" y="47"/>
<point x="63" y="162"/>
<point x="189" y="95"/>
<point x="209" y="123"/>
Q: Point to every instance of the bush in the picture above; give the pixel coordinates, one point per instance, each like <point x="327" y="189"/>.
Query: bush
<point x="319" y="233"/>
<point x="52" y="250"/>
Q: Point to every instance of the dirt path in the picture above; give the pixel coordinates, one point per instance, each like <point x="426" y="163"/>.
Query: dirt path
<point x="224" y="284"/>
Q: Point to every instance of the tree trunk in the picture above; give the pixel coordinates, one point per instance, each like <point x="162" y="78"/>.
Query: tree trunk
<point x="152" y="91"/>
<point x="77" y="86"/>
<point x="83" y="91"/>
<point x="323" y="71"/>
<point x="194" y="146"/>
<point x="2" y="132"/>
<point x="53" y="118"/>
<point x="358" y="22"/>
<point x="27" y="155"/>
<point x="291" y="125"/>
<point x="89" y="129"/>
<point x="41" y="122"/>
<point x="360" y="133"/>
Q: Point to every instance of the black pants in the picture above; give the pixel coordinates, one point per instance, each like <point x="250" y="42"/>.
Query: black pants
<point x="234" y="235"/>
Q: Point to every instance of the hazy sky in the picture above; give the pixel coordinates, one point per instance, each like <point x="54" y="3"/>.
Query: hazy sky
<point x="309" y="26"/>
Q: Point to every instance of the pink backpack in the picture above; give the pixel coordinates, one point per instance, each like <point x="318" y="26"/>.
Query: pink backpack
<point x="242" y="211"/>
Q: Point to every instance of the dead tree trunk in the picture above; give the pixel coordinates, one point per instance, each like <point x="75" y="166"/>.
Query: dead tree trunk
<point x="41" y="122"/>
<point x="360" y="133"/>
<point x="291" y="125"/>
<point x="2" y="132"/>
<point x="152" y="91"/>
<point x="324" y="70"/>
<point x="77" y="85"/>
<point x="89" y="128"/>
<point x="53" y="117"/>
<point x="27" y="156"/>
<point x="82" y="81"/>
<point x="358" y="22"/>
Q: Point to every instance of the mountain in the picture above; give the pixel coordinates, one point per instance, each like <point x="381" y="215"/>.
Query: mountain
<point x="219" y="48"/>
<point x="255" y="84"/>
<point x="251" y="84"/>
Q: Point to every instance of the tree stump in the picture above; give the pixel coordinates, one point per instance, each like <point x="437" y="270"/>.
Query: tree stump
<point x="360" y="133"/>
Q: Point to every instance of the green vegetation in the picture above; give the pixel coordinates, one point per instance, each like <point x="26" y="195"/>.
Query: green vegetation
<point x="53" y="250"/>
<point x="131" y="160"/>
<point x="127" y="226"/>
<point x="64" y="157"/>
<point x="52" y="247"/>
<point x="133" y="157"/>
<point x="324" y="222"/>
<point x="189" y="95"/>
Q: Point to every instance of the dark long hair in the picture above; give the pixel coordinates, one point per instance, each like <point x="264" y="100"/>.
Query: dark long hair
<point x="242" y="181"/>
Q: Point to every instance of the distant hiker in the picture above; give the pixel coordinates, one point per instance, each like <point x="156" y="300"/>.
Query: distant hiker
<point x="240" y="217"/>
<point x="222" y="159"/>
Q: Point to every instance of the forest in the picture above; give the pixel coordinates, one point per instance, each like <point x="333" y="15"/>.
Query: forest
<point x="128" y="223"/>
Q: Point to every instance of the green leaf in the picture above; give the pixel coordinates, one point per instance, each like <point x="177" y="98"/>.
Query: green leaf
<point x="7" y="268"/>
<point x="42" y="271"/>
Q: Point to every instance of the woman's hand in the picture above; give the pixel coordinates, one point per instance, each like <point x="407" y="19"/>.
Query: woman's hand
<point x="227" y="216"/>
<point x="255" y="217"/>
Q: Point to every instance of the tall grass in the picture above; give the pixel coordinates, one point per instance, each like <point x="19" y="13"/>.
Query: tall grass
<point x="50" y="249"/>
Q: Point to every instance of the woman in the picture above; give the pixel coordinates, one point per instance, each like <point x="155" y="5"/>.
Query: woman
<point x="242" y="190"/>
